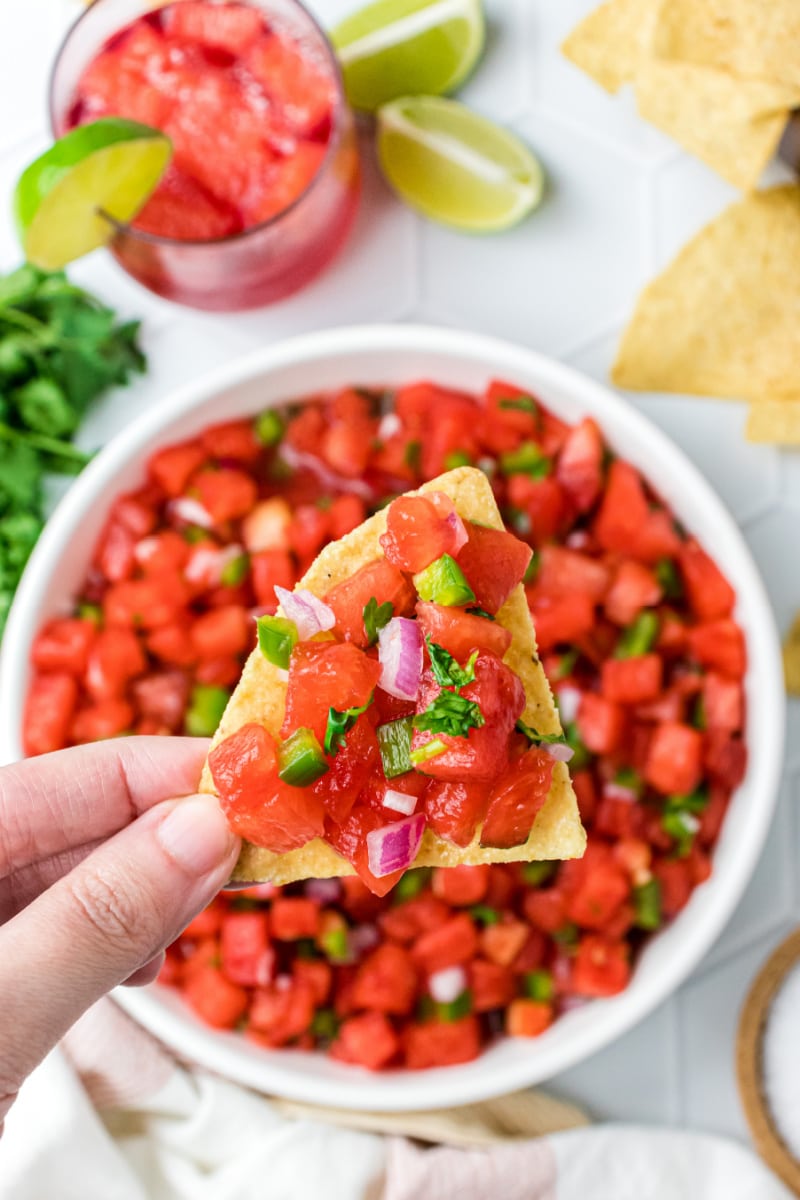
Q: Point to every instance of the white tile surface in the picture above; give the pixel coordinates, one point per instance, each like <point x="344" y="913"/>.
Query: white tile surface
<point x="621" y="201"/>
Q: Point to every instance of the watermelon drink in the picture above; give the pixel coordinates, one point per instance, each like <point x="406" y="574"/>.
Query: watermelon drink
<point x="264" y="178"/>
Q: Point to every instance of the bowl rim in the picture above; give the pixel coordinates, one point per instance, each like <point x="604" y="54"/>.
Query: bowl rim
<point x="711" y="905"/>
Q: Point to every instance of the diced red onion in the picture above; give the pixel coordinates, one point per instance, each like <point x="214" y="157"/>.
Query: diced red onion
<point x="144" y="550"/>
<point x="573" y="1003"/>
<point x="283" y="983"/>
<point x="390" y="424"/>
<point x="187" y="511"/>
<point x="394" y="847"/>
<point x="207" y="563"/>
<point x="561" y="970"/>
<point x="447" y="985"/>
<point x="569" y="701"/>
<point x="616" y="791"/>
<point x="299" y="459"/>
<point x="327" y="891"/>
<point x="400" y="656"/>
<point x="579" y="539"/>
<point x="310" y="614"/>
<point x="558" y="750"/>
<point x="400" y="802"/>
<point x="363" y="938"/>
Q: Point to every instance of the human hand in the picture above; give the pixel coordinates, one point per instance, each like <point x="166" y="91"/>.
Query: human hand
<point x="100" y="869"/>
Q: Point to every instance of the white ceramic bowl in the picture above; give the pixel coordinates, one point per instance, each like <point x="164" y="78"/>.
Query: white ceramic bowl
<point x="392" y="355"/>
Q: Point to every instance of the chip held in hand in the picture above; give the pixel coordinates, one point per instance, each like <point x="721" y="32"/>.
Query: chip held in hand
<point x="426" y="689"/>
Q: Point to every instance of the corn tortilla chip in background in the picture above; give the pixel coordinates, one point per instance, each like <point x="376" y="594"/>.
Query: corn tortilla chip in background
<point x="611" y="42"/>
<point x="733" y="125"/>
<point x="791" y="658"/>
<point x="730" y="122"/>
<point x="260" y="696"/>
<point x="756" y="39"/>
<point x="723" y="319"/>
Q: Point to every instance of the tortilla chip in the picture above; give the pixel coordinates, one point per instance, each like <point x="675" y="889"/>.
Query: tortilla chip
<point x="260" y="696"/>
<point x="723" y="318"/>
<point x="610" y="43"/>
<point x="755" y="39"/>
<point x="791" y="658"/>
<point x="776" y="421"/>
<point x="733" y="125"/>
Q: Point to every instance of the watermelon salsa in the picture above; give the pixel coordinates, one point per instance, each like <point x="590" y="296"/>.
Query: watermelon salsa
<point x="386" y="733"/>
<point x="636" y="632"/>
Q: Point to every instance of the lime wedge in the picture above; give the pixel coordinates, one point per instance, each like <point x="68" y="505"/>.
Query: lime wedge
<point x="402" y="47"/>
<point x="456" y="167"/>
<point x="109" y="166"/>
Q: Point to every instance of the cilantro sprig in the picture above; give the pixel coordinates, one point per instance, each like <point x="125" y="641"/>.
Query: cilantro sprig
<point x="339" y="725"/>
<point x="450" y="713"/>
<point x="376" y="617"/>
<point x="60" y="348"/>
<point x="446" y="670"/>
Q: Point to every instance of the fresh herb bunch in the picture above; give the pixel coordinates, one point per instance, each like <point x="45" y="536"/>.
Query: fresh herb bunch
<point x="59" y="349"/>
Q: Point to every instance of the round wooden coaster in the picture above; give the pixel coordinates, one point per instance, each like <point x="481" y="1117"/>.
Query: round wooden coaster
<point x="749" y="1061"/>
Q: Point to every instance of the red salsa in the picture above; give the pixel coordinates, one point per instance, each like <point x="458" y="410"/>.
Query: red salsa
<point x="636" y="633"/>
<point x="248" y="107"/>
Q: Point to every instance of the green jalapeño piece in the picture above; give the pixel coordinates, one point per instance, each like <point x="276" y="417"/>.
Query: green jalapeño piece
<point x="443" y="582"/>
<point x="277" y="637"/>
<point x="300" y="758"/>
<point x="394" y="742"/>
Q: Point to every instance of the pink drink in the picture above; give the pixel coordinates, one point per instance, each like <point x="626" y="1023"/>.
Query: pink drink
<point x="263" y="183"/>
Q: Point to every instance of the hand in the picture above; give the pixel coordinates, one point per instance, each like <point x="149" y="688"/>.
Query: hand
<point x="99" y="871"/>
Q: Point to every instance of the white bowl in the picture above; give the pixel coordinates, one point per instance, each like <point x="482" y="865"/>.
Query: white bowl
<point x="377" y="355"/>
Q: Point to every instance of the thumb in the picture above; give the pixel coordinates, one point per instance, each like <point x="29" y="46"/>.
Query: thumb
<point x="99" y="924"/>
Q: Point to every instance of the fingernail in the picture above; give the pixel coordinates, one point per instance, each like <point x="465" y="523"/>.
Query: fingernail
<point x="196" y="835"/>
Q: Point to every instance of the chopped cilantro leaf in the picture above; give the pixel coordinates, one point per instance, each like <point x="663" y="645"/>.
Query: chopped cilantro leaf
<point x="451" y="714"/>
<point x="59" y="349"/>
<point x="541" y="739"/>
<point x="376" y="616"/>
<point x="474" y="611"/>
<point x="340" y="724"/>
<point x="446" y="670"/>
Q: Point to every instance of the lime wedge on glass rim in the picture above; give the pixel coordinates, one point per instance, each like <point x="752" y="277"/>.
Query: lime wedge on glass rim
<point x="110" y="166"/>
<point x="402" y="47"/>
<point x="456" y="167"/>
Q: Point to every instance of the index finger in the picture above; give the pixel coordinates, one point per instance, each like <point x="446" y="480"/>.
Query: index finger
<point x="57" y="801"/>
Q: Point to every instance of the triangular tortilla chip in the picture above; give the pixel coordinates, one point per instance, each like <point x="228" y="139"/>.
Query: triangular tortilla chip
<point x="610" y="43"/>
<point x="733" y="125"/>
<point x="260" y="696"/>
<point x="756" y="39"/>
<point x="723" y="318"/>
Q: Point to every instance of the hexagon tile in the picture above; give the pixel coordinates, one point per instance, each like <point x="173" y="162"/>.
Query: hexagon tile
<point x="621" y="200"/>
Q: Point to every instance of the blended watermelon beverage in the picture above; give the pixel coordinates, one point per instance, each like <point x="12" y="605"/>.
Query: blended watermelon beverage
<point x="263" y="182"/>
